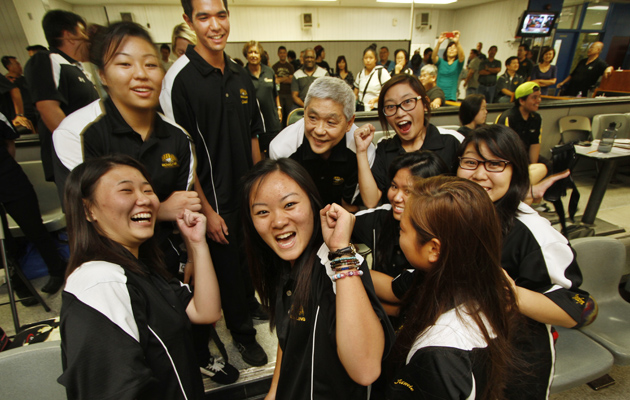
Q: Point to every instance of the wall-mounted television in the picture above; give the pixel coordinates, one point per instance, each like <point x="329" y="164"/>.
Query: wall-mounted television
<point x="536" y="23"/>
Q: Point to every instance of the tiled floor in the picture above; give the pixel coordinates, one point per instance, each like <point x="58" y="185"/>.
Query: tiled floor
<point x="615" y="208"/>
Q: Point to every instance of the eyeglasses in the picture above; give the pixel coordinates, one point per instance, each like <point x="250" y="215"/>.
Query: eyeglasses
<point x="489" y="165"/>
<point x="407" y="105"/>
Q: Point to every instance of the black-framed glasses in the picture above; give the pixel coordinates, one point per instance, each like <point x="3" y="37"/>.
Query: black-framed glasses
<point x="490" y="165"/>
<point x="406" y="105"/>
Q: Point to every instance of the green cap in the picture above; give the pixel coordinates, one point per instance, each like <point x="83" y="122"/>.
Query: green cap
<point x="525" y="89"/>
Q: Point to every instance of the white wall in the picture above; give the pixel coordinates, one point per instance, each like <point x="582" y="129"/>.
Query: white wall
<point x="31" y="12"/>
<point x="13" y="41"/>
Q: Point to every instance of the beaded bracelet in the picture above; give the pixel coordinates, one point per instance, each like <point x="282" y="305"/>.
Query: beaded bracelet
<point x="343" y="259"/>
<point x="350" y="267"/>
<point x="341" y="275"/>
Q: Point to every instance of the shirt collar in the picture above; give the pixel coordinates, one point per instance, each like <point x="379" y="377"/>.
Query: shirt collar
<point x="337" y="153"/>
<point x="204" y="67"/>
<point x="121" y="127"/>
<point x="64" y="55"/>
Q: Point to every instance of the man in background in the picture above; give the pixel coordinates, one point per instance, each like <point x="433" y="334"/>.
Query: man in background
<point x="587" y="72"/>
<point x="304" y="77"/>
<point x="284" y="75"/>
<point x="488" y="70"/>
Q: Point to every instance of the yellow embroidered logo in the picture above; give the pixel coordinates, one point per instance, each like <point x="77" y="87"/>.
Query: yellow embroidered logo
<point x="169" y="161"/>
<point x="244" y="96"/>
<point x="300" y="317"/>
<point x="406" y="384"/>
<point x="337" y="180"/>
<point x="578" y="299"/>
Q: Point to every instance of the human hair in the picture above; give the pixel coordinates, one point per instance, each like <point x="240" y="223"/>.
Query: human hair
<point x="6" y="61"/>
<point x="429" y="69"/>
<point x="416" y="86"/>
<point x="404" y="53"/>
<point x="249" y="45"/>
<point x="510" y="59"/>
<point x="35" y="47"/>
<point x="546" y="50"/>
<point x="85" y="240"/>
<point x="165" y="46"/>
<point x="445" y="55"/>
<point x="493" y="47"/>
<point x="504" y="143"/>
<point x="467" y="275"/>
<point x="371" y="48"/>
<point x="337" y="90"/>
<point x="183" y="31"/>
<point x="525" y="46"/>
<point x="55" y="22"/>
<point x="188" y="8"/>
<point x="291" y="54"/>
<point x="421" y="164"/>
<point x="470" y="107"/>
<point x="474" y="51"/>
<point x="265" y="265"/>
<point x="282" y="48"/>
<point x="110" y="39"/>
<point x="427" y="51"/>
<point x="319" y="50"/>
<point x="339" y="59"/>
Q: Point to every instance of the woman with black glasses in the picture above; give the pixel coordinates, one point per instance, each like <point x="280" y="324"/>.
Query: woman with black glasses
<point x="403" y="105"/>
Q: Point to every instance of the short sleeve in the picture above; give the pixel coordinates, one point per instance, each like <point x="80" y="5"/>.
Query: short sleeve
<point x="39" y="76"/>
<point x="294" y="84"/>
<point x="433" y="373"/>
<point x="379" y="169"/>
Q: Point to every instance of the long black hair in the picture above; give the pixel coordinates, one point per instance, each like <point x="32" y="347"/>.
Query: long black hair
<point x="421" y="164"/>
<point x="470" y="107"/>
<point x="86" y="242"/>
<point x="467" y="275"/>
<point x="265" y="265"/>
<point x="504" y="143"/>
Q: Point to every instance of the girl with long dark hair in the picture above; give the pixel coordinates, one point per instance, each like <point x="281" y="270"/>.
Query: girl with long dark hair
<point x="332" y="331"/>
<point x="459" y="317"/>
<point x="540" y="263"/>
<point x="125" y="323"/>
<point x="341" y="71"/>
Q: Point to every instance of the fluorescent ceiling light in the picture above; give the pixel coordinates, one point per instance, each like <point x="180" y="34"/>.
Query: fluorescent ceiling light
<point x="597" y="23"/>
<point x="418" y="1"/>
<point x="599" y="8"/>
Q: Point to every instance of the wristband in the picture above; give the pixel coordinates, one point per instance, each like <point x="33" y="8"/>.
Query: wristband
<point x="346" y="251"/>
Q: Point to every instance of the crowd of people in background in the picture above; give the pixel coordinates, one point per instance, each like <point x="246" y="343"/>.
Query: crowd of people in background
<point x="188" y="188"/>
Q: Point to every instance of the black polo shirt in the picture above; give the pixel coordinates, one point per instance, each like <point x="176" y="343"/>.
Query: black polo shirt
<point x="508" y="82"/>
<point x="220" y="112"/>
<point x="53" y="75"/>
<point x="585" y="76"/>
<point x="443" y="142"/>
<point x="337" y="177"/>
<point x="310" y="367"/>
<point x="266" y="94"/>
<point x="6" y="102"/>
<point x="528" y="130"/>
<point x="99" y="129"/>
<point x="368" y="228"/>
<point x="525" y="68"/>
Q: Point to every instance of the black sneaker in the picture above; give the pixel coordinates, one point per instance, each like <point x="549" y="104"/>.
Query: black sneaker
<point x="23" y="293"/>
<point x="219" y="371"/>
<point x="252" y="353"/>
<point x="53" y="285"/>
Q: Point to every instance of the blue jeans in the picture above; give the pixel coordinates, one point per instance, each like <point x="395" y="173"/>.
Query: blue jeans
<point x="487" y="91"/>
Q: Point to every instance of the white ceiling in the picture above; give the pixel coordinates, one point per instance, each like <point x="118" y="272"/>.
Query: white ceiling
<point x="293" y="3"/>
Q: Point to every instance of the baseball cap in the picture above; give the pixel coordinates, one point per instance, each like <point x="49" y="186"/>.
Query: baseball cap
<point x="525" y="89"/>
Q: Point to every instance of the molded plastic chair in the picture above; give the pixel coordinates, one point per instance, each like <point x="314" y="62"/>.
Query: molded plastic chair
<point x="47" y="196"/>
<point x="295" y="116"/>
<point x="574" y="128"/>
<point x="378" y="136"/>
<point x="31" y="372"/>
<point x="602" y="121"/>
<point x="579" y="360"/>
<point x="602" y="260"/>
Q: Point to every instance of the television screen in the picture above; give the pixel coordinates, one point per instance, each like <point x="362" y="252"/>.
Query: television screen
<point x="537" y="23"/>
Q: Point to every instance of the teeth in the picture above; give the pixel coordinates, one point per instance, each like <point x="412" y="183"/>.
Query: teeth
<point x="140" y="216"/>
<point x="141" y="90"/>
<point x="216" y="37"/>
<point x="284" y="235"/>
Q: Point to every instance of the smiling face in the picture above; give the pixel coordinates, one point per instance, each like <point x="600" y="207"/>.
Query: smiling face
<point x="325" y="125"/>
<point x="124" y="208"/>
<point x="480" y="118"/>
<point x="309" y="60"/>
<point x="133" y="75"/>
<point x="282" y="55"/>
<point x="253" y="55"/>
<point x="282" y="215"/>
<point x="496" y="184"/>
<point x="211" y="23"/>
<point x="513" y="65"/>
<point x="531" y="103"/>
<point x="549" y="55"/>
<point x="451" y="50"/>
<point x="398" y="192"/>
<point x="407" y="124"/>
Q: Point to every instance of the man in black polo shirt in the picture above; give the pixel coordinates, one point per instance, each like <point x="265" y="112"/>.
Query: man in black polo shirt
<point x="56" y="78"/>
<point x="524" y="119"/>
<point x="488" y="71"/>
<point x="525" y="65"/>
<point x="587" y="72"/>
<point x="323" y="142"/>
<point x="214" y="99"/>
<point x="509" y="81"/>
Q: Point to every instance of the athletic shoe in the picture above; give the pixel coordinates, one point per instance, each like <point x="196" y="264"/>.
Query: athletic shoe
<point x="252" y="353"/>
<point x="220" y="371"/>
<point x="53" y="285"/>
